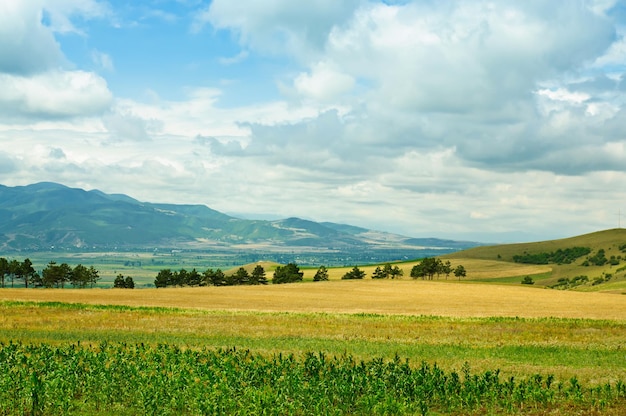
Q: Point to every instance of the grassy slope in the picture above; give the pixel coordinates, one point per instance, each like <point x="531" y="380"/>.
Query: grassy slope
<point x="609" y="240"/>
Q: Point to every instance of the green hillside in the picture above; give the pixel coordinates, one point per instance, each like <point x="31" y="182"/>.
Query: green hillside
<point x="606" y="259"/>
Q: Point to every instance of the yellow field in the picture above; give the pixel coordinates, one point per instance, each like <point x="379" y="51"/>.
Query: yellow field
<point x="476" y="269"/>
<point x="406" y="296"/>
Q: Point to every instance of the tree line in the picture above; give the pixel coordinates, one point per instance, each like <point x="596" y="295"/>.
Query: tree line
<point x="283" y="274"/>
<point x="290" y="273"/>
<point x="426" y="269"/>
<point x="57" y="275"/>
<point x="53" y="275"/>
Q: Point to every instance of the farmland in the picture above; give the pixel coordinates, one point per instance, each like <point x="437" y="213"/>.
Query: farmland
<point x="485" y="344"/>
<point x="445" y="330"/>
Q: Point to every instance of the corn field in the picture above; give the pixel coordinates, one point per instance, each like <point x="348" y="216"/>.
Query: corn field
<point x="125" y="379"/>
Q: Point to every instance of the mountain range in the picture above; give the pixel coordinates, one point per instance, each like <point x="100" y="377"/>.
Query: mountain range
<point x="44" y="215"/>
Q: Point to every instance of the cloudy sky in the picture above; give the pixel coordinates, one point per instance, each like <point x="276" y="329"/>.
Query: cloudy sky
<point x="494" y="121"/>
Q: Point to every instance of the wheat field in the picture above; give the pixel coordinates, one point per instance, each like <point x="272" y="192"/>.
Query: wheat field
<point x="406" y="297"/>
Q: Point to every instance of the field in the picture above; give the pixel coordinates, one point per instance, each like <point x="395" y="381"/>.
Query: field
<point x="483" y="345"/>
<point x="520" y="332"/>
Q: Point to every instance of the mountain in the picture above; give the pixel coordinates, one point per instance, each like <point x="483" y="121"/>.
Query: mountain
<point x="45" y="215"/>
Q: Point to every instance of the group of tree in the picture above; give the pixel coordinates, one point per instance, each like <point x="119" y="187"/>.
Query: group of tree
<point x="122" y="282"/>
<point x="210" y="277"/>
<point x="53" y="275"/>
<point x="599" y="259"/>
<point x="431" y="266"/>
<point x="14" y="269"/>
<point x="56" y="275"/>
<point x="560" y="256"/>
<point x="387" y="271"/>
<point x="290" y="273"/>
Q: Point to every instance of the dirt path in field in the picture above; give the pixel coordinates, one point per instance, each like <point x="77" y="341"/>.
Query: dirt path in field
<point x="367" y="296"/>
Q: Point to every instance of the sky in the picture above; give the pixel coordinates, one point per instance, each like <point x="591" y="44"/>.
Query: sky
<point x="491" y="121"/>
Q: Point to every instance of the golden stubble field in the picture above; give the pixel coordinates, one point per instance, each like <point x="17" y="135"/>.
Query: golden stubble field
<point x="405" y="297"/>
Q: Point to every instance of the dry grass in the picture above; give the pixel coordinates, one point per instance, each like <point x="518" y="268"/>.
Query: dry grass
<point x="437" y="298"/>
<point x="476" y="269"/>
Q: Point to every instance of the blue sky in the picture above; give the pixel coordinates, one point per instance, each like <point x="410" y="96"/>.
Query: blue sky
<point x="492" y="121"/>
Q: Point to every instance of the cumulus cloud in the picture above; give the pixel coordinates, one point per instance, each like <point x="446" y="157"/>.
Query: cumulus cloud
<point x="467" y="76"/>
<point x="33" y="80"/>
<point x="323" y="83"/>
<point x="26" y="45"/>
<point x="54" y="94"/>
<point x="277" y="26"/>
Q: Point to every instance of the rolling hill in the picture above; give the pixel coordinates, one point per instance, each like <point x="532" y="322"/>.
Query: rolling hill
<point x="603" y="265"/>
<point x="40" y="216"/>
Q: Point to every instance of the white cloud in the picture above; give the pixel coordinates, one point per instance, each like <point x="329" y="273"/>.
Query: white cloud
<point x="276" y="26"/>
<point x="562" y="94"/>
<point x="324" y="83"/>
<point x="26" y="45"/>
<point x="54" y="94"/>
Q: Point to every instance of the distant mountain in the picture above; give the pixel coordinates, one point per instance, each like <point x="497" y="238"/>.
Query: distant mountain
<point x="45" y="215"/>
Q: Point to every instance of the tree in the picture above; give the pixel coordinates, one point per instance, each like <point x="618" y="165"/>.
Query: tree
<point x="194" y="278"/>
<point x="93" y="276"/>
<point x="258" y="276"/>
<point x="459" y="272"/>
<point x="164" y="278"/>
<point x="181" y="278"/>
<point x="355" y="273"/>
<point x="14" y="268"/>
<point x="395" y="272"/>
<point x="215" y="278"/>
<point x="26" y="271"/>
<point x="129" y="283"/>
<point x="321" y="274"/>
<point x="80" y="276"/>
<point x="56" y="274"/>
<point x="379" y="273"/>
<point x="241" y="277"/>
<point x="4" y="269"/>
<point x="119" y="282"/>
<point x="446" y="268"/>
<point x="528" y="281"/>
<point x="289" y="273"/>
